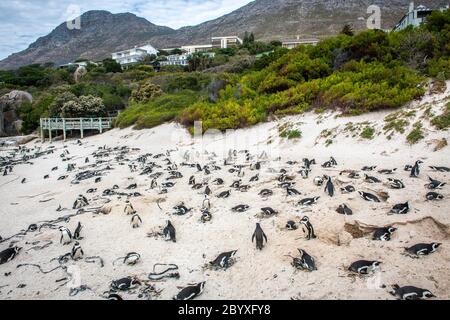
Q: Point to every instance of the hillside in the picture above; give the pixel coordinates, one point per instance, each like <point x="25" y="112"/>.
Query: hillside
<point x="103" y="32"/>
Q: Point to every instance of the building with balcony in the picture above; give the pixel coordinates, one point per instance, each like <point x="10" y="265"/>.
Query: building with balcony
<point x="294" y="43"/>
<point x="134" y="55"/>
<point x="175" y="60"/>
<point x="415" y="16"/>
<point x="225" y="42"/>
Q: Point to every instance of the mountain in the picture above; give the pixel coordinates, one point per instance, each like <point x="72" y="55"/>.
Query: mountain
<point x="100" y="34"/>
<point x="103" y="32"/>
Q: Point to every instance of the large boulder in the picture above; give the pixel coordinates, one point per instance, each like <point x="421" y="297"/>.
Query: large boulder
<point x="9" y="104"/>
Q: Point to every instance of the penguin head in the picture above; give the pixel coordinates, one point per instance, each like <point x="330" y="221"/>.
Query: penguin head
<point x="304" y="219"/>
<point x="316" y="198"/>
<point x="61" y="228"/>
<point x="201" y="285"/>
<point x="427" y="294"/>
<point x="435" y="245"/>
<point x="391" y="229"/>
<point x="419" y="162"/>
<point x="301" y="252"/>
<point x="376" y="264"/>
<point x="17" y="249"/>
<point x="361" y="193"/>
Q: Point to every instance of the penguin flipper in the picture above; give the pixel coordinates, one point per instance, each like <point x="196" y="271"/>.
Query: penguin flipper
<point x="253" y="237"/>
<point x="265" y="237"/>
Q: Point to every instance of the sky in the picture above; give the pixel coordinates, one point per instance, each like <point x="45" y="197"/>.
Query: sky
<point x="23" y="21"/>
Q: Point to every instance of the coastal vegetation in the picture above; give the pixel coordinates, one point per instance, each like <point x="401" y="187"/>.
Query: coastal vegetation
<point x="352" y="73"/>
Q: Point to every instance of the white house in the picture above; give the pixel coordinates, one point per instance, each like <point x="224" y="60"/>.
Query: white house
<point x="134" y="55"/>
<point x="191" y="49"/>
<point x="415" y="16"/>
<point x="175" y="60"/>
<point x="291" y="44"/>
<point x="225" y="42"/>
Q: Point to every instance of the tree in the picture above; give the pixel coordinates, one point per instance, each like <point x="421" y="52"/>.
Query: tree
<point x="199" y="61"/>
<point x="347" y="30"/>
<point x="111" y="65"/>
<point x="146" y="92"/>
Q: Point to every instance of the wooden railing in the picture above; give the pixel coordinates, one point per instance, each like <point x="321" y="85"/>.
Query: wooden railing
<point x="64" y="124"/>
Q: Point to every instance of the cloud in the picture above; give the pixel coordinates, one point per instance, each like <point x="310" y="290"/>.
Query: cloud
<point x="23" y="21"/>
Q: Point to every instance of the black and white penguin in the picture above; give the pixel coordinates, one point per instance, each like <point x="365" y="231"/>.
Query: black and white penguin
<point x="129" y="208"/>
<point x="254" y="178"/>
<point x="169" y="232"/>
<point x="387" y="171"/>
<point x="415" y="170"/>
<point x="66" y="236"/>
<point x="76" y="234"/>
<point x="395" y="183"/>
<point x="197" y="186"/>
<point x="136" y="221"/>
<point x="218" y="181"/>
<point x="370" y="179"/>
<point x="224" y="194"/>
<point x="207" y="191"/>
<point x="440" y="169"/>
<point x="309" y="228"/>
<point x="236" y="184"/>
<point x="308" y="201"/>
<point x="333" y="161"/>
<point x="181" y="209"/>
<point x="368" y="196"/>
<point x="190" y="292"/>
<point x="224" y="260"/>
<point x="114" y="296"/>
<point x="153" y="184"/>
<point x="76" y="253"/>
<point x="401" y="208"/>
<point x="191" y="180"/>
<point x="435" y="184"/>
<point x="168" y="184"/>
<point x="240" y="208"/>
<point x="9" y="254"/>
<point x="265" y="193"/>
<point x="125" y="284"/>
<point x="383" y="234"/>
<point x="423" y="249"/>
<point x="344" y="209"/>
<point x="206" y="216"/>
<point x="304" y="262"/>
<point x="329" y="187"/>
<point x="292" y="191"/>
<point x="290" y="225"/>
<point x="348" y="189"/>
<point x="433" y="196"/>
<point x="411" y="292"/>
<point x="304" y="173"/>
<point x="364" y="266"/>
<point x="259" y="235"/>
<point x="206" y="204"/>
<point x="368" y="168"/>
<point x="407" y="167"/>
<point x="268" y="211"/>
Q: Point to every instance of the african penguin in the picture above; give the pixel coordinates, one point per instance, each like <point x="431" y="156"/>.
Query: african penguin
<point x="309" y="227"/>
<point x="434" y="196"/>
<point x="190" y="292"/>
<point x="77" y="253"/>
<point x="124" y="284"/>
<point x="265" y="193"/>
<point x="395" y="183"/>
<point x="364" y="266"/>
<point x="411" y="292"/>
<point x="371" y="179"/>
<point x="329" y="187"/>
<point x="423" y="249"/>
<point x="9" y="254"/>
<point x="415" y="170"/>
<point x="308" y="201"/>
<point x="224" y="260"/>
<point x="66" y="236"/>
<point x="368" y="196"/>
<point x="240" y="208"/>
<point x="440" y="169"/>
<point x="435" y="184"/>
<point x="136" y="221"/>
<point x="290" y="225"/>
<point x="344" y="209"/>
<point x="268" y="211"/>
<point x="76" y="234"/>
<point x="383" y="234"/>
<point x="401" y="208"/>
<point x="129" y="208"/>
<point x="224" y="194"/>
<point x="131" y="258"/>
<point x="169" y="231"/>
<point x="348" y="189"/>
<point x="259" y="235"/>
<point x="304" y="262"/>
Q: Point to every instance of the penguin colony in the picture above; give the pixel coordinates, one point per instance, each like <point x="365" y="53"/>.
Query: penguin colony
<point x="205" y="179"/>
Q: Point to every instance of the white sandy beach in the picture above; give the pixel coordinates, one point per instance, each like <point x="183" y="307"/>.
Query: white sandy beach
<point x="265" y="274"/>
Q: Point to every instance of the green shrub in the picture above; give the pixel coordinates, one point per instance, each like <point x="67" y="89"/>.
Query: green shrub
<point x="416" y="134"/>
<point x="367" y="133"/>
<point x="442" y="121"/>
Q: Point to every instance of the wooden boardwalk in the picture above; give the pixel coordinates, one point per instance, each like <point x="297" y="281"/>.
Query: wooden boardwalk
<point x="64" y="124"/>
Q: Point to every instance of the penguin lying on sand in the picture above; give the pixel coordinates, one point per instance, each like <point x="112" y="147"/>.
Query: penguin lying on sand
<point x="190" y="292"/>
<point x="411" y="292"/>
<point x="383" y="234"/>
<point x="304" y="262"/>
<point x="9" y="254"/>
<point x="364" y="266"/>
<point x="224" y="260"/>
<point x="423" y="249"/>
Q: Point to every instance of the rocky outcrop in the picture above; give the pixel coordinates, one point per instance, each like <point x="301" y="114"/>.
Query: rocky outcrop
<point x="10" y="124"/>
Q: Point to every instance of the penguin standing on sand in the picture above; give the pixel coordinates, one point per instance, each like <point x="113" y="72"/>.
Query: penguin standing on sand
<point x="309" y="227"/>
<point x="136" y="221"/>
<point x="66" y="236"/>
<point x="415" y="170"/>
<point x="153" y="184"/>
<point x="128" y="208"/>
<point x="169" y="232"/>
<point x="329" y="187"/>
<point x="190" y="292"/>
<point x="76" y="234"/>
<point x="77" y="253"/>
<point x="260" y="236"/>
